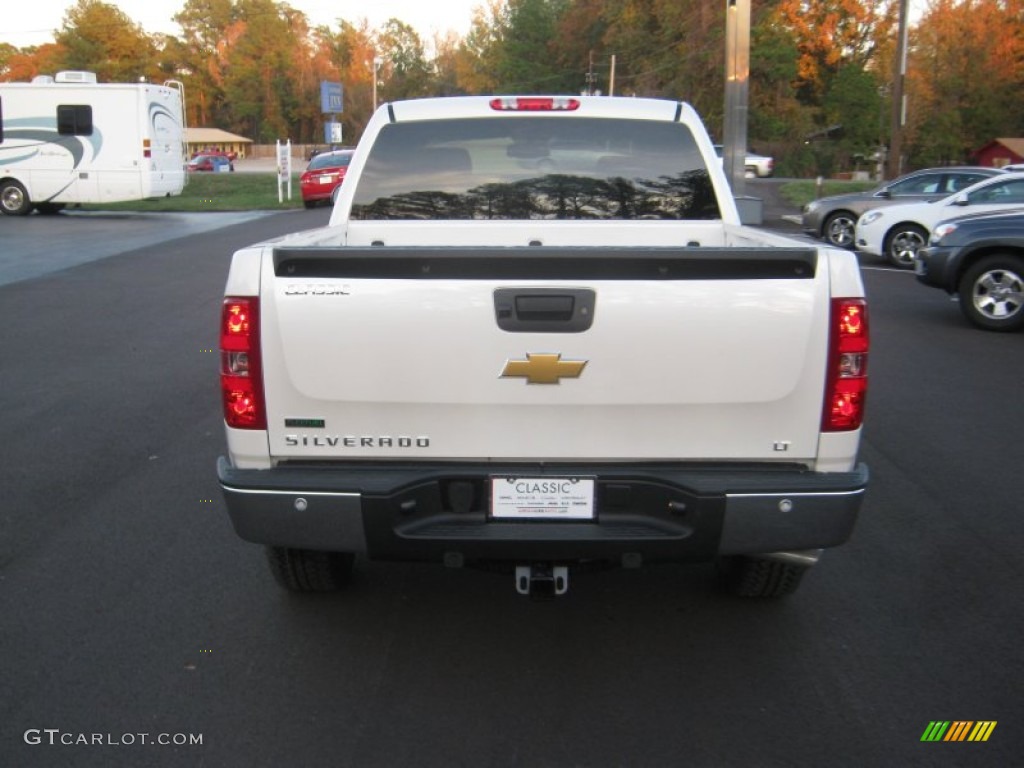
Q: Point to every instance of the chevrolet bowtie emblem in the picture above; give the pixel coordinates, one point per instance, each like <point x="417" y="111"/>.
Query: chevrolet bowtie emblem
<point x="543" y="368"/>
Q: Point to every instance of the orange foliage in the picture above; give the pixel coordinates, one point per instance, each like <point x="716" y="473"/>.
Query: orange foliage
<point x="29" y="62"/>
<point x="828" y="32"/>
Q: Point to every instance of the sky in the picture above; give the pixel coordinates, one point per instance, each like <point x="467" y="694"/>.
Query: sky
<point x="35" y="20"/>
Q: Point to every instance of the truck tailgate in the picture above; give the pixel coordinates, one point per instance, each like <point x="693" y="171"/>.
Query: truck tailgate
<point x="544" y="353"/>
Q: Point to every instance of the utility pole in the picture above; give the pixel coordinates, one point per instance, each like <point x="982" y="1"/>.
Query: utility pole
<point x="899" y="98"/>
<point x="737" y="77"/>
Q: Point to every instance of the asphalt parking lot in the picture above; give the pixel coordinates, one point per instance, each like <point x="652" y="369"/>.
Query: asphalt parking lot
<point x="130" y="607"/>
<point x="36" y="245"/>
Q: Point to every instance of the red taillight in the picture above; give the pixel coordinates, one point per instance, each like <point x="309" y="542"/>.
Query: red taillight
<point x="847" y="381"/>
<point x="535" y="104"/>
<point x="147" y="148"/>
<point x="241" y="375"/>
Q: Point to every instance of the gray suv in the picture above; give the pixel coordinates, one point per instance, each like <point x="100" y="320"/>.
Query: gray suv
<point x="833" y="218"/>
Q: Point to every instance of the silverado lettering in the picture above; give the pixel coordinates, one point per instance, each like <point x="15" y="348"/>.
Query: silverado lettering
<point x="316" y="290"/>
<point x="719" y="417"/>
<point x="351" y="441"/>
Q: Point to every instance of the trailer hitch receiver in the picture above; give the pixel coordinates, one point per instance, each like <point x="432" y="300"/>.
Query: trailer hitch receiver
<point x="542" y="580"/>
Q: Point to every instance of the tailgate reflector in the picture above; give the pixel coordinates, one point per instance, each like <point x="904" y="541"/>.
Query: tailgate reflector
<point x="241" y="373"/>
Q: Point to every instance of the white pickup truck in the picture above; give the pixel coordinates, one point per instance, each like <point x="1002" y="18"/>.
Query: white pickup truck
<point x="535" y="336"/>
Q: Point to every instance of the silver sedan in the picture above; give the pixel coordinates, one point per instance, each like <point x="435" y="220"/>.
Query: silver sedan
<point x="833" y="218"/>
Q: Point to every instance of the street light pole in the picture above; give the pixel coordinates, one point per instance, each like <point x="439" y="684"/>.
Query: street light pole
<point x="376" y="68"/>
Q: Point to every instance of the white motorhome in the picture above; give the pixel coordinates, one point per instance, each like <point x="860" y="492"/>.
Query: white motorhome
<point x="69" y="139"/>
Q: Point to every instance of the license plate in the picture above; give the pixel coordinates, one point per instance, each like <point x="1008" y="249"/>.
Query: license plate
<point x="542" y="498"/>
<point x="326" y="179"/>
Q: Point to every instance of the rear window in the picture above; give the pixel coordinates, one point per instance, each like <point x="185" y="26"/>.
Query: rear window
<point x="330" y="160"/>
<point x="540" y="167"/>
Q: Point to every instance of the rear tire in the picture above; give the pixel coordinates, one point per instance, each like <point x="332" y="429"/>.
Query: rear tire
<point x="902" y="244"/>
<point x="308" y="570"/>
<point x="14" y="200"/>
<point x="992" y="293"/>
<point x="754" y="577"/>
<point x="309" y="203"/>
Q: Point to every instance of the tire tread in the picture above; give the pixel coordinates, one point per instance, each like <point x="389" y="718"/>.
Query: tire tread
<point x="308" y="570"/>
<point x="754" y="577"/>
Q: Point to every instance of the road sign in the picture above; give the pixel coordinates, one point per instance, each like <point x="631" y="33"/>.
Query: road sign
<point x="332" y="132"/>
<point x="330" y="98"/>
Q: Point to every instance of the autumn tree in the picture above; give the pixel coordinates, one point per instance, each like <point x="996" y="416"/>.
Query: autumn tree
<point x="476" y="58"/>
<point x="965" y="70"/>
<point x="6" y="52"/>
<point x="202" y="51"/>
<point x="832" y="34"/>
<point x="20" y="65"/>
<point x="839" y="78"/>
<point x="446" y="65"/>
<point x="353" y="50"/>
<point x="100" y="38"/>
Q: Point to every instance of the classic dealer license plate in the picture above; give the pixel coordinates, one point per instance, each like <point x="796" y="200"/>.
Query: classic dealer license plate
<point x="546" y="498"/>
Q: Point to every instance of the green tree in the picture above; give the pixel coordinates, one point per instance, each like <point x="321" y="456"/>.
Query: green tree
<point x="257" y="82"/>
<point x="526" y="61"/>
<point x="854" y="102"/>
<point x="406" y="73"/>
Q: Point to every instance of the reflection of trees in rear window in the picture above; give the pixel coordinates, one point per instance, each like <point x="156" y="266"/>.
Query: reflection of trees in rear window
<point x="683" y="196"/>
<point x="541" y="167"/>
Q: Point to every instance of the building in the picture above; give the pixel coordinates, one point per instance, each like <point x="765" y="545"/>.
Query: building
<point x="1000" y="152"/>
<point x="199" y="139"/>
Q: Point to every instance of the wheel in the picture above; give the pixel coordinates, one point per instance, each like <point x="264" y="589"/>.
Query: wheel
<point x="992" y="293"/>
<point x="14" y="199"/>
<point x="902" y="244"/>
<point x="754" y="577"/>
<point x="309" y="570"/>
<point x="838" y="229"/>
<point x="309" y="203"/>
<point x="49" y="209"/>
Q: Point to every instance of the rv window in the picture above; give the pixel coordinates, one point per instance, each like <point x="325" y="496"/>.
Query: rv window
<point x="74" y="120"/>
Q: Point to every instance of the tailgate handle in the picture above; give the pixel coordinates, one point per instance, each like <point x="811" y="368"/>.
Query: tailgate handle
<point x="544" y="310"/>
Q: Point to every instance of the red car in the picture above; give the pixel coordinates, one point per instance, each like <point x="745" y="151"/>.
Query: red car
<point x="213" y="163"/>
<point x="228" y="156"/>
<point x="324" y="174"/>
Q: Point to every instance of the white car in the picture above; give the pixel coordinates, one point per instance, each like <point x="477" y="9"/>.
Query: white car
<point x="757" y="165"/>
<point x="897" y="232"/>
